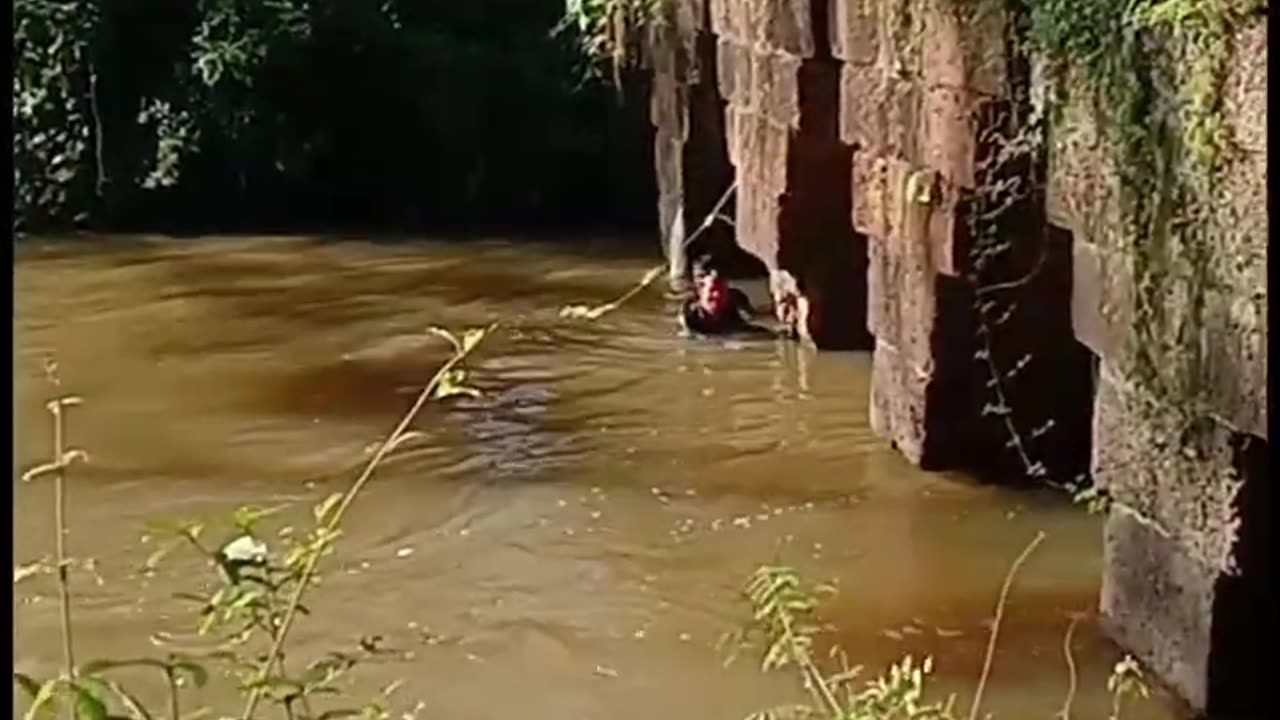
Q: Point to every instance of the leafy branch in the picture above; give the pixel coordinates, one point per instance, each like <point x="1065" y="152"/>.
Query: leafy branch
<point x="259" y="596"/>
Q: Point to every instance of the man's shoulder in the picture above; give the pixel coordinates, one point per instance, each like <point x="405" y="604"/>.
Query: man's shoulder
<point x="690" y="317"/>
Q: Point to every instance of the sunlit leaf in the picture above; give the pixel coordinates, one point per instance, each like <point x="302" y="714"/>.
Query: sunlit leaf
<point x="325" y="508"/>
<point x="472" y="338"/>
<point x="90" y="693"/>
<point x="45" y="700"/>
<point x="38" y="471"/>
<point x="247" y="516"/>
<point x="450" y="337"/>
<point x="22" y="572"/>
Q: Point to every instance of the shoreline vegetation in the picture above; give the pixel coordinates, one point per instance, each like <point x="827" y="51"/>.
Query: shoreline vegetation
<point x="216" y="115"/>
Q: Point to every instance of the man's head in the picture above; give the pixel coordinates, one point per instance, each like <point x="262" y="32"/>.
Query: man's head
<point x="711" y="289"/>
<point x="701" y="266"/>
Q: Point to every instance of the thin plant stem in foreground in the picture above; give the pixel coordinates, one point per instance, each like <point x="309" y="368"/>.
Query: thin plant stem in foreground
<point x="461" y="351"/>
<point x="995" y="624"/>
<point x="1065" y="712"/>
<point x="62" y="458"/>
<point x="60" y="544"/>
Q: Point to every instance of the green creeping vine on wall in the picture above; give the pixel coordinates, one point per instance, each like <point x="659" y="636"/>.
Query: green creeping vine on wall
<point x="1169" y="146"/>
<point x="1156" y="70"/>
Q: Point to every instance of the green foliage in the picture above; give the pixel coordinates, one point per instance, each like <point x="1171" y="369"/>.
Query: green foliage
<point x="205" y="112"/>
<point x="785" y="624"/>
<point x="1151" y="72"/>
<point x="1126" y="681"/>
<point x="1095" y="499"/>
<point x="244" y="617"/>
<point x="53" y="169"/>
<point x="615" y="33"/>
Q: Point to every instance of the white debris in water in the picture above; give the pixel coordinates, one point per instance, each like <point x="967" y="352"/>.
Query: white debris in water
<point x="603" y="671"/>
<point x="891" y="634"/>
<point x="742" y="522"/>
<point x="364" y="565"/>
<point x="464" y="532"/>
<point x="685" y="637"/>
<point x="404" y="552"/>
<point x="568" y="531"/>
<point x="561" y="503"/>
<point x="639" y="634"/>
<point x="596" y="515"/>
<point x="596" y="491"/>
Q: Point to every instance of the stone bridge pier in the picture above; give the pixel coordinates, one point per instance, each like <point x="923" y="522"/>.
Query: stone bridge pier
<point x="830" y="120"/>
<point x="1187" y="583"/>
<point x="864" y="138"/>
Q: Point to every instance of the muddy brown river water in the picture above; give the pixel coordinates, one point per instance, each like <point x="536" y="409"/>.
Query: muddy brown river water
<point x="578" y="535"/>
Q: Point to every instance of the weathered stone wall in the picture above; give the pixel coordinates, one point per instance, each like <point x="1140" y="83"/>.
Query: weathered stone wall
<point x="838" y="116"/>
<point x="690" y="159"/>
<point x="861" y="136"/>
<point x="784" y="163"/>
<point x="1188" y="503"/>
<point x="929" y="91"/>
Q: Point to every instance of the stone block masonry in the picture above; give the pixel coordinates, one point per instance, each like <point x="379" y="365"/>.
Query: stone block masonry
<point x="1188" y="583"/>
<point x="868" y="141"/>
<point x="926" y="89"/>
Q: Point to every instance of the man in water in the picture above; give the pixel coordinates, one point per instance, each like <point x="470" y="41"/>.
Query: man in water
<point x="716" y="308"/>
